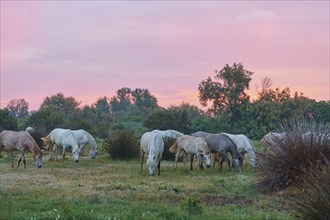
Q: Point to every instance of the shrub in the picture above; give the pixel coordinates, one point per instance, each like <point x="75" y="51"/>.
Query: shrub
<point x="122" y="145"/>
<point x="305" y="147"/>
<point x="315" y="203"/>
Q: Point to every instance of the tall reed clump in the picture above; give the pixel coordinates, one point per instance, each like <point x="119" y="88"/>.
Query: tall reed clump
<point x="303" y="147"/>
<point x="122" y="145"/>
<point x="315" y="202"/>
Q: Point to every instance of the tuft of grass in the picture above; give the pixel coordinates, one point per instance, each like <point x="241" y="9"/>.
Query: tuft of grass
<point x="315" y="203"/>
<point x="192" y="205"/>
<point x="304" y="147"/>
<point x="122" y="145"/>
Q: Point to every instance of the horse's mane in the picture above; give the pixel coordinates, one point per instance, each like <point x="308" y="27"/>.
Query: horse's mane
<point x="34" y="148"/>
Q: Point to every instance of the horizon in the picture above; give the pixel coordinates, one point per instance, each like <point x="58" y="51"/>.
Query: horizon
<point x="90" y="49"/>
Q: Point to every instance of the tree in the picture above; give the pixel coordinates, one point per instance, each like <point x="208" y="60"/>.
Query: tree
<point x="45" y="120"/>
<point x="7" y="120"/>
<point x="66" y="106"/>
<point x="19" y="108"/>
<point x="226" y="92"/>
<point x="121" y="100"/>
<point x="144" y="100"/>
<point x="160" y="119"/>
<point x="321" y="110"/>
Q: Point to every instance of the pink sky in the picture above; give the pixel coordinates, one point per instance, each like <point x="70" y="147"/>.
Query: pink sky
<point x="90" y="49"/>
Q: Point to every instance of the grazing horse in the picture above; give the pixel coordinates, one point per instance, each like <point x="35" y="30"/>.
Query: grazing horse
<point x="221" y="144"/>
<point x="152" y="144"/>
<point x="169" y="134"/>
<point x="193" y="146"/>
<point x="22" y="140"/>
<point x="244" y="145"/>
<point x="272" y="138"/>
<point x="83" y="137"/>
<point x="63" y="138"/>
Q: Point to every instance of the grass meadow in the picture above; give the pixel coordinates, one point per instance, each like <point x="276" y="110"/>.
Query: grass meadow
<point x="110" y="189"/>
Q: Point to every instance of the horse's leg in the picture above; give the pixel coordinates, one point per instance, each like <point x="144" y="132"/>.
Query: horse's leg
<point x="241" y="160"/>
<point x="185" y="157"/>
<point x="24" y="161"/>
<point x="158" y="166"/>
<point x="142" y="158"/>
<point x="10" y="157"/>
<point x="214" y="158"/>
<point x="191" y="161"/>
<point x="222" y="157"/>
<point x="63" y="153"/>
<point x="21" y="156"/>
<point x="81" y="149"/>
<point x="177" y="155"/>
<point x="199" y="162"/>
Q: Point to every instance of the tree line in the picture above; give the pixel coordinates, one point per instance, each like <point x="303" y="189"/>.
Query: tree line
<point x="228" y="109"/>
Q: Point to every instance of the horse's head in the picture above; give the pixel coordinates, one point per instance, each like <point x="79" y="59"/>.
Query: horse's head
<point x="151" y="163"/>
<point x="207" y="158"/>
<point x="38" y="157"/>
<point x="75" y="153"/>
<point x="93" y="153"/>
<point x="38" y="161"/>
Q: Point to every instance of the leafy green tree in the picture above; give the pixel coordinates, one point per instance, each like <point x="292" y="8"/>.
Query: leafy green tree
<point x="122" y="100"/>
<point x="184" y="115"/>
<point x="321" y="110"/>
<point x="226" y="91"/>
<point x="144" y="99"/>
<point x="66" y="106"/>
<point x="19" y="108"/>
<point x="45" y="120"/>
<point x="7" y="120"/>
<point x="160" y="119"/>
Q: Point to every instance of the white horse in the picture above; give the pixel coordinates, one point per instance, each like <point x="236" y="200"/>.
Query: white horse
<point x="83" y="137"/>
<point x="61" y="138"/>
<point x="169" y="134"/>
<point x="272" y="138"/>
<point x="193" y="146"/>
<point x="152" y="144"/>
<point x="244" y="145"/>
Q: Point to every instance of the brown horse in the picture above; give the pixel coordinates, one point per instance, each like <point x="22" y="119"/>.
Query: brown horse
<point x="21" y="140"/>
<point x="193" y="146"/>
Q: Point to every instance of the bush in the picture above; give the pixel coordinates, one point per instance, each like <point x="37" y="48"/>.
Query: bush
<point x="315" y="203"/>
<point x="305" y="147"/>
<point x="122" y="145"/>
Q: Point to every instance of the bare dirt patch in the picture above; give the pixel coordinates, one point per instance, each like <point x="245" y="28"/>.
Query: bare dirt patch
<point x="214" y="200"/>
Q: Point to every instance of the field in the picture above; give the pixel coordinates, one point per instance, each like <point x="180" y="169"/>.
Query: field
<point x="110" y="189"/>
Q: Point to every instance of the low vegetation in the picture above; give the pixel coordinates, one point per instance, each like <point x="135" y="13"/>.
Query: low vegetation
<point x="115" y="189"/>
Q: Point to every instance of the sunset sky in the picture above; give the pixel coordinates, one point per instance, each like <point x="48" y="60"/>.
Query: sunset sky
<point x="90" y="49"/>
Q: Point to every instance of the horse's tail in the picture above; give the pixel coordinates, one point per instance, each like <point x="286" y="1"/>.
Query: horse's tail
<point x="174" y="147"/>
<point x="235" y="146"/>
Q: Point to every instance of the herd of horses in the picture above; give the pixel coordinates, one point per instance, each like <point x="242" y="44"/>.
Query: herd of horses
<point x="200" y="145"/>
<point x="56" y="141"/>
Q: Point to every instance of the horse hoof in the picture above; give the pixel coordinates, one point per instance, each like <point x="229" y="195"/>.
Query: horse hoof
<point x="76" y="161"/>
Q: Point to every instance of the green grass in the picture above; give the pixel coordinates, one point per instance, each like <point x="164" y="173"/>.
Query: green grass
<point x="107" y="189"/>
